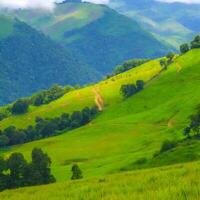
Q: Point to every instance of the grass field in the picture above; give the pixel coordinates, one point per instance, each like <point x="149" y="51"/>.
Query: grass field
<point x="123" y="133"/>
<point x="177" y="182"/>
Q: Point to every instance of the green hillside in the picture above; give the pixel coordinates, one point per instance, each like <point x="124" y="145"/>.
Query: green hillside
<point x="125" y="131"/>
<point x="177" y="182"/>
<point x="30" y="61"/>
<point x="99" y="35"/>
<point x="124" y="136"/>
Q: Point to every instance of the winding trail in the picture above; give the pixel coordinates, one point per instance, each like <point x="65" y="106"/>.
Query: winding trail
<point x="98" y="99"/>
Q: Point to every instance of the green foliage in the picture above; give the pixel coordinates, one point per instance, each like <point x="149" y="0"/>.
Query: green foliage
<point x="194" y="126"/>
<point x="4" y="140"/>
<point x="167" y="145"/>
<point x="76" y="172"/>
<point x="139" y="85"/>
<point x="128" y="90"/>
<point x="20" y="107"/>
<point x="47" y="127"/>
<point x="37" y="63"/>
<point x="129" y="65"/>
<point x="184" y="48"/>
<point x="47" y="96"/>
<point x="17" y="172"/>
<point x="196" y="42"/>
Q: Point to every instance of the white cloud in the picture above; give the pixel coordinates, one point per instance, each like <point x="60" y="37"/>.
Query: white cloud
<point x="97" y="1"/>
<point x="182" y="1"/>
<point x="32" y="4"/>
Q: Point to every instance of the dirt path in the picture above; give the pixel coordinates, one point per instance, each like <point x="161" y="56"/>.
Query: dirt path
<point x="98" y="99"/>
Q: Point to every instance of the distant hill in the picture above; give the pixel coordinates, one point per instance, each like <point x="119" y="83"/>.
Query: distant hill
<point x="29" y="61"/>
<point x="98" y="34"/>
<point x="173" y="22"/>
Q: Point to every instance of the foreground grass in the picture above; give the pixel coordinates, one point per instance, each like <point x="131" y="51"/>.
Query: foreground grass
<point x="178" y="182"/>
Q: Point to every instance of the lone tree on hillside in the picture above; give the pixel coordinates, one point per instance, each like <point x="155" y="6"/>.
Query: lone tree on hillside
<point x="76" y="172"/>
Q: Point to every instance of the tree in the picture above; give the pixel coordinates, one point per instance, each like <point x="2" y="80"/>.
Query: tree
<point x="64" y="122"/>
<point x="3" y="176"/>
<point x="170" y="57"/>
<point x="163" y="63"/>
<point x="86" y="116"/>
<point x="15" y="136"/>
<point x="76" y="119"/>
<point x="20" y="107"/>
<point x="196" y="42"/>
<point x="39" y="170"/>
<point x="76" y="172"/>
<point x="128" y="90"/>
<point x="4" y="140"/>
<point x="16" y="164"/>
<point x="140" y="85"/>
<point x="184" y="48"/>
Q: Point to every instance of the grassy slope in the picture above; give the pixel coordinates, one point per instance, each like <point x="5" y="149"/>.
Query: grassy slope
<point x="177" y="182"/>
<point x="126" y="130"/>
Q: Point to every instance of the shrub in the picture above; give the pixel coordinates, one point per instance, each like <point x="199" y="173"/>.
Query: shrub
<point x="76" y="172"/>
<point x="167" y="145"/>
<point x="128" y="90"/>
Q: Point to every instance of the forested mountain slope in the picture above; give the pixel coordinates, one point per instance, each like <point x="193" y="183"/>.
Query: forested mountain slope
<point x="176" y="28"/>
<point x="99" y="35"/>
<point x="30" y="61"/>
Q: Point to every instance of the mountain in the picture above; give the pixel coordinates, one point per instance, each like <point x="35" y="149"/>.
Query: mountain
<point x="102" y="37"/>
<point x="176" y="28"/>
<point x="126" y="134"/>
<point x="29" y="61"/>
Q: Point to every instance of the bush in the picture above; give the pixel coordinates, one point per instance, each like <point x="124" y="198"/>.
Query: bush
<point x="128" y="90"/>
<point x="76" y="172"/>
<point x="167" y="145"/>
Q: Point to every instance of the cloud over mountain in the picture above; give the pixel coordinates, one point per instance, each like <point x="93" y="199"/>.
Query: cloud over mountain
<point x="32" y="4"/>
<point x="182" y="1"/>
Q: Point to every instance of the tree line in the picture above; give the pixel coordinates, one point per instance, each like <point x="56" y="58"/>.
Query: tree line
<point x="16" y="172"/>
<point x="195" y="43"/>
<point x="44" y="97"/>
<point x="129" y="90"/>
<point x="46" y="127"/>
<point x="21" y="106"/>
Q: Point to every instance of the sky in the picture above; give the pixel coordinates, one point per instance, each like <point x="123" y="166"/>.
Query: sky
<point x="49" y="4"/>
